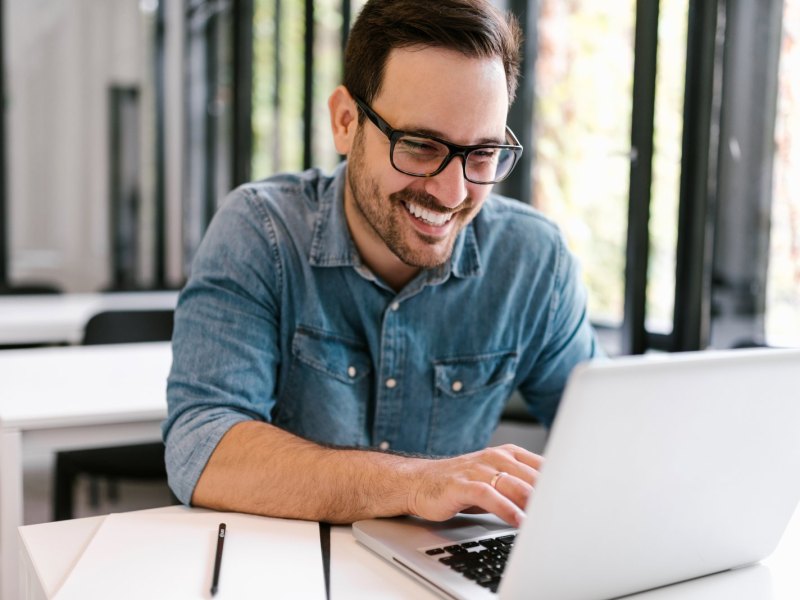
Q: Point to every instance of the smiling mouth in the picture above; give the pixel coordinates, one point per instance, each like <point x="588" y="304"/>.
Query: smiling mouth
<point x="429" y="217"/>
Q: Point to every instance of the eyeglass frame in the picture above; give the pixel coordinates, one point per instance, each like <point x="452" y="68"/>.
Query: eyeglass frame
<point x="453" y="150"/>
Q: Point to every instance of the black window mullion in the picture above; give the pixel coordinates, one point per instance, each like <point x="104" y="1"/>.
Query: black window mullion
<point x="698" y="174"/>
<point x="519" y="185"/>
<point x="124" y="167"/>
<point x="211" y="139"/>
<point x="634" y="334"/>
<point x="159" y="221"/>
<point x="308" y="86"/>
<point x="347" y="17"/>
<point x="242" y="24"/>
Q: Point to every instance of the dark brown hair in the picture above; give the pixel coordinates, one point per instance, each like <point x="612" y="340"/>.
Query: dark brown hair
<point x="473" y="27"/>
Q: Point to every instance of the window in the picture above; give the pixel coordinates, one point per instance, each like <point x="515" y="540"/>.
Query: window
<point x="277" y="87"/>
<point x="596" y="153"/>
<point x="282" y="78"/>
<point x="583" y="115"/>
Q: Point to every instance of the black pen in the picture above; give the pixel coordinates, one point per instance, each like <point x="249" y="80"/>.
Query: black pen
<point x="218" y="558"/>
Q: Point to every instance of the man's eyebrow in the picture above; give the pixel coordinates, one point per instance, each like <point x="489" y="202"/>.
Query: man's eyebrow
<point x="425" y="132"/>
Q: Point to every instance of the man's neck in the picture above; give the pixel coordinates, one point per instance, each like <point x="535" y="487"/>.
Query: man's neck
<point x="381" y="261"/>
<point x="374" y="252"/>
<point x="393" y="271"/>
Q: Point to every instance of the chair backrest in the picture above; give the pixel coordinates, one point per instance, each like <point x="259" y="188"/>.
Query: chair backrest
<point x="29" y="289"/>
<point x="129" y="326"/>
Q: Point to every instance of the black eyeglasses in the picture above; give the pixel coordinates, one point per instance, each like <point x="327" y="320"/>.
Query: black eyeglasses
<point x="425" y="156"/>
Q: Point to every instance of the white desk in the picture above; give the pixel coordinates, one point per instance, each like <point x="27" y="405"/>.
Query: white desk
<point x="49" y="551"/>
<point x="71" y="397"/>
<point x="61" y="318"/>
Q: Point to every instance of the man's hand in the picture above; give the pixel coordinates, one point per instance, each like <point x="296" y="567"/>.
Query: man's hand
<point x="448" y="486"/>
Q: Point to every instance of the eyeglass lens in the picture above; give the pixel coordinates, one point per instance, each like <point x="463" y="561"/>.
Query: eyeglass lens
<point x="423" y="156"/>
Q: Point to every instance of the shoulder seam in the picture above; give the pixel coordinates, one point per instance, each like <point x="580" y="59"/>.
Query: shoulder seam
<point x="269" y="225"/>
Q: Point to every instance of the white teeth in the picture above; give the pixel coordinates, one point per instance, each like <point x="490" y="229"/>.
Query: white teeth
<point x="430" y="217"/>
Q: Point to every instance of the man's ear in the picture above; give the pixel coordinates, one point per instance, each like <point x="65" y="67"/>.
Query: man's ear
<point x="344" y="119"/>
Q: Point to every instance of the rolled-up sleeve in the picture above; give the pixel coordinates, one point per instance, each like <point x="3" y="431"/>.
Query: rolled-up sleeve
<point x="225" y="341"/>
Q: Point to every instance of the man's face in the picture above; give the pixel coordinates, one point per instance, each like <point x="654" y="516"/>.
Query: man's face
<point x="434" y="92"/>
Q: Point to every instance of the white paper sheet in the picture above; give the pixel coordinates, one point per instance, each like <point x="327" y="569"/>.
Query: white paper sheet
<point x="150" y="555"/>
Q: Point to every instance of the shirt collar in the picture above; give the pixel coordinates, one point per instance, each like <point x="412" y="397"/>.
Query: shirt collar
<point x="332" y="245"/>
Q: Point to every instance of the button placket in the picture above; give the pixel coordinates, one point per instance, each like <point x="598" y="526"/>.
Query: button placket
<point x="389" y="392"/>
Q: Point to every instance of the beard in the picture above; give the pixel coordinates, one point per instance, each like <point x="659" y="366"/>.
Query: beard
<point x="384" y="215"/>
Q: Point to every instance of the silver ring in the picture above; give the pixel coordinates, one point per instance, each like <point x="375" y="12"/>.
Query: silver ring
<point x="496" y="478"/>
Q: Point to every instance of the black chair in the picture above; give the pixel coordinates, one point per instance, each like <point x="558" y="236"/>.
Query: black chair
<point x="129" y="326"/>
<point x="29" y="289"/>
<point x="131" y="462"/>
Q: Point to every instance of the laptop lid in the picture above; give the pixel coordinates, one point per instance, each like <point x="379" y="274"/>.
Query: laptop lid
<point x="658" y="469"/>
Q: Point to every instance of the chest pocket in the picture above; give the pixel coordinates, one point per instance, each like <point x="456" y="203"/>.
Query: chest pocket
<point x="469" y="395"/>
<point x="327" y="388"/>
<point x="341" y="359"/>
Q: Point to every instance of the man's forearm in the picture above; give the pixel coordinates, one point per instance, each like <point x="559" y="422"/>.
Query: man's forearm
<point x="258" y="468"/>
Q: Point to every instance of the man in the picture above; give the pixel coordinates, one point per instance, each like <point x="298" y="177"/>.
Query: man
<point x="340" y="335"/>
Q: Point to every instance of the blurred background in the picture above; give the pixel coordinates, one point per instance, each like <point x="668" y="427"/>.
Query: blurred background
<point x="664" y="138"/>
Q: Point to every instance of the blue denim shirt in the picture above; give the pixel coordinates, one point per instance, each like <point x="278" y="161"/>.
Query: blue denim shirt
<point x="282" y="322"/>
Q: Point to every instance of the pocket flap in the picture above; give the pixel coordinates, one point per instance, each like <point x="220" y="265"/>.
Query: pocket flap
<point x="342" y="359"/>
<point x="470" y="375"/>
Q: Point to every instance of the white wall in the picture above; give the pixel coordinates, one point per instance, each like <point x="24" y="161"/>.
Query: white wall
<point x="62" y="56"/>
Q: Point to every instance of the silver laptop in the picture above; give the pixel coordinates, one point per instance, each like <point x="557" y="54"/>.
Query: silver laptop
<point x="658" y="469"/>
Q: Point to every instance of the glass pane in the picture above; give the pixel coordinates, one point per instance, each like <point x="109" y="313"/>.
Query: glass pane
<point x="327" y="75"/>
<point x="673" y="20"/>
<point x="278" y="37"/>
<point x="783" y="277"/>
<point x="584" y="77"/>
<point x="265" y="110"/>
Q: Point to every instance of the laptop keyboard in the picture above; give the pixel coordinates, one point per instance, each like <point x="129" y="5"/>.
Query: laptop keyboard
<point x="482" y="561"/>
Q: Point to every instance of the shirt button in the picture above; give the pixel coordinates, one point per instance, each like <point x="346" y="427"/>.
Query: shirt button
<point x="352" y="371"/>
<point x="457" y="386"/>
<point x="384" y="445"/>
<point x="394" y="306"/>
<point x="391" y="383"/>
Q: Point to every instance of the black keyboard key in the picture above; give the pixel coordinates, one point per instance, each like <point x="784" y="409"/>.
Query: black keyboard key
<point x="454" y="560"/>
<point x="507" y="539"/>
<point x="434" y="551"/>
<point x="482" y="562"/>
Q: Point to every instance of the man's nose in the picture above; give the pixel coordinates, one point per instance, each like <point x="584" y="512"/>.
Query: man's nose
<point x="449" y="187"/>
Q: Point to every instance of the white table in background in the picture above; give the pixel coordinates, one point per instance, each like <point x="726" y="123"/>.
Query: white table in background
<point x="71" y="397"/>
<point x="49" y="552"/>
<point x="62" y="318"/>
